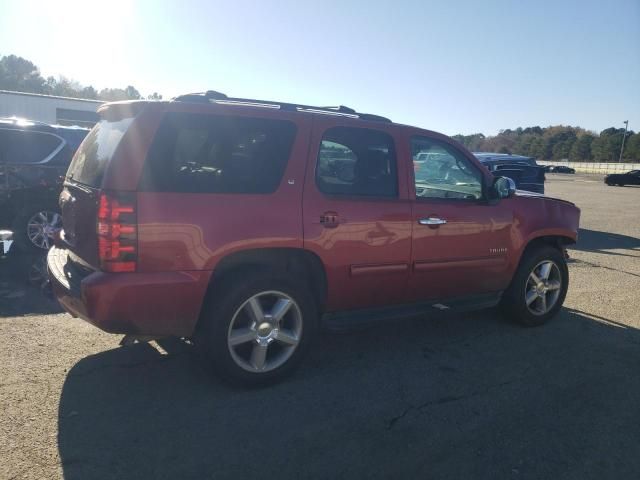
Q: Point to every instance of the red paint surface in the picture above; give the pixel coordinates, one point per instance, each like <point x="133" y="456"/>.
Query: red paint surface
<point x="373" y="250"/>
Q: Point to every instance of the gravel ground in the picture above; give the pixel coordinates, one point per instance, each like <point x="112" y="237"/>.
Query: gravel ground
<point x="467" y="396"/>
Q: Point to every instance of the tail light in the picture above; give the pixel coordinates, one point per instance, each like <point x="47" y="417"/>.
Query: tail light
<point x="117" y="232"/>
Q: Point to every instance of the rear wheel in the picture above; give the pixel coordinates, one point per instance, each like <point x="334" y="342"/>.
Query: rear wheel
<point x="256" y="332"/>
<point x="538" y="288"/>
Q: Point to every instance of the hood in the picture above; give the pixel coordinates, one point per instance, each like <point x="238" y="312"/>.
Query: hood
<point x="526" y="194"/>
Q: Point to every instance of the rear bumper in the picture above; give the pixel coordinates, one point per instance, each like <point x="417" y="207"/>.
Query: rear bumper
<point x="163" y="303"/>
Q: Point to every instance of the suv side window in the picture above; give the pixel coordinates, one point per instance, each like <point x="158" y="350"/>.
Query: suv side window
<point x="194" y="153"/>
<point x="440" y="171"/>
<point x="22" y="147"/>
<point x="357" y="161"/>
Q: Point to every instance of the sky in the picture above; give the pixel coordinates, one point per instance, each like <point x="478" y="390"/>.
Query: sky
<point x="450" y="66"/>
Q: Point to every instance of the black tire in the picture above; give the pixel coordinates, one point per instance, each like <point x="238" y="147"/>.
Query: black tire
<point x="221" y="306"/>
<point x="513" y="301"/>
<point x="20" y="223"/>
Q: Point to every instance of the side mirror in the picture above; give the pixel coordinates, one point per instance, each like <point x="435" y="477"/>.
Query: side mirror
<point x="504" y="187"/>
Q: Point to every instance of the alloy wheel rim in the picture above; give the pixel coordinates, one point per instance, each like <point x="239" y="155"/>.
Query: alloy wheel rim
<point x="543" y="287"/>
<point x="38" y="272"/>
<point x="265" y="331"/>
<point x="41" y="227"/>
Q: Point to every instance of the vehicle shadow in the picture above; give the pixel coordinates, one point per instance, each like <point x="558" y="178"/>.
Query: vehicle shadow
<point x="24" y="285"/>
<point x="458" y="397"/>
<point x="603" y="242"/>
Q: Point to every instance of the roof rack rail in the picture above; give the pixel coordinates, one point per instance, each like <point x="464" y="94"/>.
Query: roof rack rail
<point x="213" y="96"/>
<point x="200" y="96"/>
<point x="340" y="109"/>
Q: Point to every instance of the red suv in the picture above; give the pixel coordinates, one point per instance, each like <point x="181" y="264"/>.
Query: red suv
<point x="244" y="224"/>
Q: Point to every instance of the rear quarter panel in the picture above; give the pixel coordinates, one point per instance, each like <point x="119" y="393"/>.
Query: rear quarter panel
<point x="194" y="231"/>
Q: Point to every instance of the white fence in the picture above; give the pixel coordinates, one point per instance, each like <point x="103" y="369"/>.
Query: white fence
<point x="591" y="167"/>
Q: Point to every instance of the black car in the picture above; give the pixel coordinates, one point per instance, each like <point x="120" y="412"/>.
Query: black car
<point x="563" y="169"/>
<point x="524" y="171"/>
<point x="33" y="160"/>
<point x="621" y="179"/>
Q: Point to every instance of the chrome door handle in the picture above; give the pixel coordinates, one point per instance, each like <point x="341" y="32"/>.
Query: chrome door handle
<point x="432" y="221"/>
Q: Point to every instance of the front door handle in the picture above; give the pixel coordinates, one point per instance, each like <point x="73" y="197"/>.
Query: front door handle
<point x="432" y="221"/>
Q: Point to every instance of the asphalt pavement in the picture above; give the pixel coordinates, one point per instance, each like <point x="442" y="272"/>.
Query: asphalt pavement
<point x="459" y="396"/>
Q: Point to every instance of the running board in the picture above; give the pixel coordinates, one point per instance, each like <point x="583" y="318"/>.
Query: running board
<point x="362" y="318"/>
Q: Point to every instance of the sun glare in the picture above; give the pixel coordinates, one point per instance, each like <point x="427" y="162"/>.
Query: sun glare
<point x="96" y="34"/>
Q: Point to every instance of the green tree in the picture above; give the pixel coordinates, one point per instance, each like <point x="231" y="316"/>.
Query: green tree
<point x="473" y="142"/>
<point x="50" y="84"/>
<point x="132" y="93"/>
<point x="112" y="94"/>
<point x="558" y="141"/>
<point x="606" y="148"/>
<point x="632" y="147"/>
<point x="116" y="94"/>
<point x="20" y="75"/>
<point x="537" y="149"/>
<point x="64" y="87"/>
<point x="533" y="130"/>
<point x="562" y="149"/>
<point x="581" y="149"/>
<point x="599" y="149"/>
<point x="523" y="144"/>
<point x="89" y="92"/>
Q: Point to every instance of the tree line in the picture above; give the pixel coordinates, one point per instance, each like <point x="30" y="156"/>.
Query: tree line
<point x="558" y="143"/>
<point x="551" y="143"/>
<point x="20" y="75"/>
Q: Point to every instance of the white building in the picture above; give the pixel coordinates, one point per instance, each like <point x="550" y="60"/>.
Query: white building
<point x="49" y="109"/>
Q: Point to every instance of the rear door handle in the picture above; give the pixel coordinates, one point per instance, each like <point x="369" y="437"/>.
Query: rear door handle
<point x="329" y="219"/>
<point x="432" y="221"/>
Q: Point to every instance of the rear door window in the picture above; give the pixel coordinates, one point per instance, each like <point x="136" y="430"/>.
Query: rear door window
<point x="194" y="153"/>
<point x="24" y="147"/>
<point x="95" y="152"/>
<point x="358" y="162"/>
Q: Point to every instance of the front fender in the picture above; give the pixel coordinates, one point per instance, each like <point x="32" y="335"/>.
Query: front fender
<point x="537" y="218"/>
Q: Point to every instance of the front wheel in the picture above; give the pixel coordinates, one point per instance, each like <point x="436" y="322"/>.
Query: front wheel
<point x="256" y="332"/>
<point x="538" y="288"/>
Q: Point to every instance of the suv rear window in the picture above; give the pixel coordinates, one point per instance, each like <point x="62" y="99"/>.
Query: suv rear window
<point x="95" y="152"/>
<point x="22" y="147"/>
<point x="194" y="153"/>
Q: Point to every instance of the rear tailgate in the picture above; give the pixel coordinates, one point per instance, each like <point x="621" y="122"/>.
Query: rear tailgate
<point x="79" y="204"/>
<point x="80" y="196"/>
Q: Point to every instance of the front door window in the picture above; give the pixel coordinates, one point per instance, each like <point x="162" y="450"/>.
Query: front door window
<point x="442" y="172"/>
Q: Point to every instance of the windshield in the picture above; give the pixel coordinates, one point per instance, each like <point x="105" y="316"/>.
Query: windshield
<point x="91" y="160"/>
